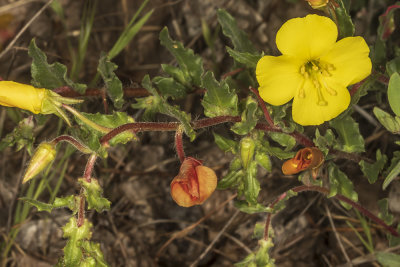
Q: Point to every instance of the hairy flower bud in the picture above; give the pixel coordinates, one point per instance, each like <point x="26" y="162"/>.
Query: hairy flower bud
<point x="194" y="183"/>
<point x="306" y="158"/>
<point x="44" y="155"/>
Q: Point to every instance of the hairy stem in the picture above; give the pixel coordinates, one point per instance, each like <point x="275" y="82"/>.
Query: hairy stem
<point x="179" y="144"/>
<point x="81" y="211"/>
<point x="78" y="145"/>
<point x="87" y="174"/>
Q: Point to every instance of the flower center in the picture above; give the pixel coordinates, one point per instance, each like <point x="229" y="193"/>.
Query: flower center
<point x="316" y="72"/>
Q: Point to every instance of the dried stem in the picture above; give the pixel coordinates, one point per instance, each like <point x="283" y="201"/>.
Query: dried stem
<point x="179" y="143"/>
<point x="325" y="191"/>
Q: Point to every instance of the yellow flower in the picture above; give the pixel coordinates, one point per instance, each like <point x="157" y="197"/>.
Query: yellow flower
<point x="313" y="69"/>
<point x="22" y="96"/>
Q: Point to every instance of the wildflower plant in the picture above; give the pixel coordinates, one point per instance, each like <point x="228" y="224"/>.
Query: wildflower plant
<point x="322" y="67"/>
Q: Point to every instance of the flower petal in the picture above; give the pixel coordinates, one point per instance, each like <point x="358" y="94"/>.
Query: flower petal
<point x="307" y="37"/>
<point x="207" y="182"/>
<point x="350" y="59"/>
<point x="279" y="78"/>
<point x="306" y="111"/>
<point x="180" y="196"/>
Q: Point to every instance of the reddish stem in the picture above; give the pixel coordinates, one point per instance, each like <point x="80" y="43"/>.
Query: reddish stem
<point x="87" y="174"/>
<point x="165" y="126"/>
<point x="325" y="191"/>
<point x="231" y="73"/>
<point x="66" y="138"/>
<point x="263" y="107"/>
<point x="81" y="211"/>
<point x="179" y="144"/>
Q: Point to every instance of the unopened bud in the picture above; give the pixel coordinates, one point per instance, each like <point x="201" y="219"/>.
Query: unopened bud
<point x="317" y="3"/>
<point x="44" y="155"/>
<point x="247" y="147"/>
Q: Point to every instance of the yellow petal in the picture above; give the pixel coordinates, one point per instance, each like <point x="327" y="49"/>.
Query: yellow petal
<point x="279" y="78"/>
<point x="22" y="96"/>
<point x="350" y="58"/>
<point x="307" y="37"/>
<point x="306" y="111"/>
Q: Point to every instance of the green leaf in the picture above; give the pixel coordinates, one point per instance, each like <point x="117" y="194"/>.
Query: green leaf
<point x="130" y="31"/>
<point x="261" y="258"/>
<point x="249" y="118"/>
<point x="238" y="37"/>
<point x="393" y="66"/>
<point x="244" y="206"/>
<point x="168" y="87"/>
<point x="41" y="206"/>
<point x="384" y="214"/>
<point x="263" y="160"/>
<point x="190" y="64"/>
<point x="91" y="136"/>
<point x="393" y="240"/>
<point x="72" y="251"/>
<point x="283" y="139"/>
<point x="394" y="93"/>
<point x="388" y="259"/>
<point x="219" y="100"/>
<point x="68" y="201"/>
<point x="251" y="184"/>
<point x="172" y="111"/>
<point x="345" y="24"/>
<point x="392" y="124"/>
<point x="150" y="105"/>
<point x="340" y="184"/>
<point x="225" y="144"/>
<point x="350" y="139"/>
<point x="249" y="60"/>
<point x="371" y="171"/>
<point x="178" y="75"/>
<point x="49" y="76"/>
<point x="93" y="193"/>
<point x="231" y="180"/>
<point x="275" y="151"/>
<point x="323" y="142"/>
<point x="93" y="252"/>
<point x="106" y="69"/>
<point x="22" y="136"/>
<point x="394" y="172"/>
<point x="247" y="148"/>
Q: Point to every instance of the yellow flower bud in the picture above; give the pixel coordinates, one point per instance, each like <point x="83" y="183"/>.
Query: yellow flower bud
<point x="317" y="3"/>
<point x="44" y="155"/>
<point x="22" y="96"/>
